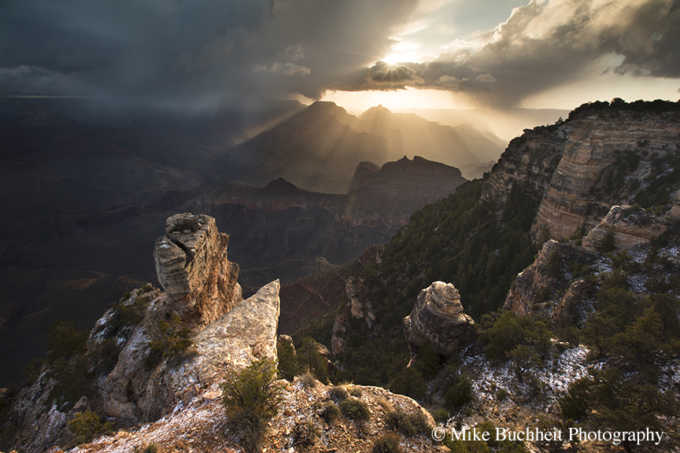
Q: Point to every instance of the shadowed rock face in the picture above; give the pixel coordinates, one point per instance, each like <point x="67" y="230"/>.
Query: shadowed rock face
<point x="192" y="266"/>
<point x="440" y="319"/>
<point x="630" y="227"/>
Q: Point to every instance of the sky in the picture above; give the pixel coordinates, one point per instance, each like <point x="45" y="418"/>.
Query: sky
<point x="205" y="54"/>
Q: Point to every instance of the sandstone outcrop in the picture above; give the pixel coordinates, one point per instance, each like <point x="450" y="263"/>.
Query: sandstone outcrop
<point x="439" y="318"/>
<point x="576" y="170"/>
<point x="192" y="266"/>
<point x="629" y="226"/>
<point x="539" y="288"/>
<point x="609" y="156"/>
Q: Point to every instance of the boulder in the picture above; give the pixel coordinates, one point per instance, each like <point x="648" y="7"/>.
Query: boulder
<point x="439" y="318"/>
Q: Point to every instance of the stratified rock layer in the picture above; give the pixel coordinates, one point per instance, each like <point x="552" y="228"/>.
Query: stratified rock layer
<point x="439" y="318"/>
<point x="603" y="154"/>
<point x="539" y="288"/>
<point x="630" y="227"/>
<point x="192" y="266"/>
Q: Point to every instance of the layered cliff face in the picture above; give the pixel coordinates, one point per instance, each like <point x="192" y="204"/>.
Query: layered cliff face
<point x="628" y="226"/>
<point x="608" y="157"/>
<point x="439" y="318"/>
<point x="493" y="229"/>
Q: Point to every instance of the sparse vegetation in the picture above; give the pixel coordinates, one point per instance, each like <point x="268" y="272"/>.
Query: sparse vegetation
<point x="409" y="381"/>
<point x="172" y="341"/>
<point x="608" y="242"/>
<point x="330" y="412"/>
<point x="288" y="364"/>
<point x="387" y="443"/>
<point x="507" y="336"/>
<point x="355" y="409"/>
<point x="305" y="435"/>
<point x="152" y="448"/>
<point x="636" y="334"/>
<point x="309" y="357"/>
<point x="87" y="425"/>
<point x="67" y="362"/>
<point x="250" y="399"/>
<point x="408" y="424"/>
<point x="338" y="393"/>
<point x="308" y="380"/>
<point x="459" y="393"/>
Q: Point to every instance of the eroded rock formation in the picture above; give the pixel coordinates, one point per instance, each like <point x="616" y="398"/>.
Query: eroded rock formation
<point x="192" y="266"/>
<point x="629" y="226"/>
<point x="541" y="286"/>
<point x="439" y="318"/>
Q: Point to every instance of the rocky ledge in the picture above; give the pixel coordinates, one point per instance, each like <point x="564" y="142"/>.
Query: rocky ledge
<point x="439" y="318"/>
<point x="629" y="226"/>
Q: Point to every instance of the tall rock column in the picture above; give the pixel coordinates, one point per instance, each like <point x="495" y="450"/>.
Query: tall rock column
<point x="192" y="267"/>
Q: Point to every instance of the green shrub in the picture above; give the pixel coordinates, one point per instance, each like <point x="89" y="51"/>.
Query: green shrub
<point x="574" y="405"/>
<point x="501" y="394"/>
<point x="128" y="314"/>
<point x="152" y="448"/>
<point x="250" y="399"/>
<point x="309" y="357"/>
<point x="308" y="380"/>
<point x="407" y="424"/>
<point x="305" y="435"/>
<point x="288" y="364"/>
<point x="355" y="409"/>
<point x="355" y="391"/>
<point x="608" y="243"/>
<point x="338" y="393"/>
<point x="409" y="382"/>
<point x="459" y="393"/>
<point x="506" y="331"/>
<point x="172" y="341"/>
<point x="440" y="414"/>
<point x="65" y="341"/>
<point x="387" y="443"/>
<point x="330" y="412"/>
<point x="87" y="425"/>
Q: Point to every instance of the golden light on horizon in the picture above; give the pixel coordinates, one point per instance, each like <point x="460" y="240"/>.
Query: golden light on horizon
<point x="357" y="102"/>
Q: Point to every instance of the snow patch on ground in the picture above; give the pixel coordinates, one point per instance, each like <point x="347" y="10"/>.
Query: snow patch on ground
<point x="568" y="367"/>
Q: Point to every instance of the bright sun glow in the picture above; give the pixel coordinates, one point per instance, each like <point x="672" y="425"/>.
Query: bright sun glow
<point x="357" y="102"/>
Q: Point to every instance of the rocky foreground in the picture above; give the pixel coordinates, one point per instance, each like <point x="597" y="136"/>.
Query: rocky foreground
<point x="167" y="352"/>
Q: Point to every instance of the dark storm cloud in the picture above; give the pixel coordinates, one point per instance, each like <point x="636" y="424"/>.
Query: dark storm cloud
<point x="545" y="44"/>
<point x="203" y="51"/>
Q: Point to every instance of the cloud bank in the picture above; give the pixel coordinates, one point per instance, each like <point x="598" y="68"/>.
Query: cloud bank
<point x="179" y="52"/>
<point x="545" y="44"/>
<point x="207" y="53"/>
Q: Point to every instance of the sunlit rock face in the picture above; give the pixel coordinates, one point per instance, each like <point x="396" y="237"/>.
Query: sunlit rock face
<point x="439" y="318"/>
<point x="629" y="226"/>
<point x="192" y="266"/>
<point x="576" y="170"/>
<point x="608" y="157"/>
